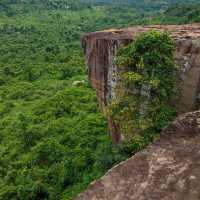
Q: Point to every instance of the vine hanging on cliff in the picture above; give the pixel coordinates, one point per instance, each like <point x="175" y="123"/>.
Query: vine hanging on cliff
<point x="146" y="82"/>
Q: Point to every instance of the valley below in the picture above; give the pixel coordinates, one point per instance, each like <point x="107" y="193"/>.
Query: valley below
<point x="55" y="138"/>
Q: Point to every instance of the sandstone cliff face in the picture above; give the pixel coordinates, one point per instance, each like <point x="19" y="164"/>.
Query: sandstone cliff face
<point x="169" y="169"/>
<point x="101" y="47"/>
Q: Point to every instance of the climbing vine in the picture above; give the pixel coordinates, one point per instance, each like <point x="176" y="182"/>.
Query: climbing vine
<point x="146" y="83"/>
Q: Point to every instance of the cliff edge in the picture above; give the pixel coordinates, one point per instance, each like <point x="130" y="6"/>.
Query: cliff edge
<point x="168" y="169"/>
<point x="101" y="48"/>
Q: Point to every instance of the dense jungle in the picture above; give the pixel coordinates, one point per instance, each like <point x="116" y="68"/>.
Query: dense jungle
<point x="54" y="139"/>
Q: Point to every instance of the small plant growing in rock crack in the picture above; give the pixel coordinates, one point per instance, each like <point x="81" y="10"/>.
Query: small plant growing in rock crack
<point x="146" y="82"/>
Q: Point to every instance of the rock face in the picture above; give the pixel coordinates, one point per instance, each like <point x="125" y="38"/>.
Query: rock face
<point x="169" y="169"/>
<point x="101" y="47"/>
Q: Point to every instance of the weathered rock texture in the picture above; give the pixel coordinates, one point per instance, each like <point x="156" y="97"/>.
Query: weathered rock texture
<point x="101" y="47"/>
<point x="169" y="169"/>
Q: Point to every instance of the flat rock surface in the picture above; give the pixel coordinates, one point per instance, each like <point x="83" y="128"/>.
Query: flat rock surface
<point x="168" y="169"/>
<point x="177" y="31"/>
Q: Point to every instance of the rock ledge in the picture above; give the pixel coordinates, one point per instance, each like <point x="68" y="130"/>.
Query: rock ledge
<point x="168" y="169"/>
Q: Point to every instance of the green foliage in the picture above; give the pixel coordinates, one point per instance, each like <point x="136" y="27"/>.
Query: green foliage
<point x="53" y="139"/>
<point x="146" y="71"/>
<point x="183" y="13"/>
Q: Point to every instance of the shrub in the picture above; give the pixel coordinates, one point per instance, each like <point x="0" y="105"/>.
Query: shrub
<point x="146" y="74"/>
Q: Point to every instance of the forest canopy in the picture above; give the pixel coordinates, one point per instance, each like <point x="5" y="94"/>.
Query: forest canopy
<point x="53" y="138"/>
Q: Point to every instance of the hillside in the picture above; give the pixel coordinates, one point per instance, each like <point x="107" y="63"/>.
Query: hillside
<point x="54" y="139"/>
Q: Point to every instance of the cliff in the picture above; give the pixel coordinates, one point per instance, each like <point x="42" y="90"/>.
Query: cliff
<point x="168" y="169"/>
<point x="101" y="47"/>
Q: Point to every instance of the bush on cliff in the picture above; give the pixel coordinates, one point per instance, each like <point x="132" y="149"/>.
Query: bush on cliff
<point x="146" y="74"/>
